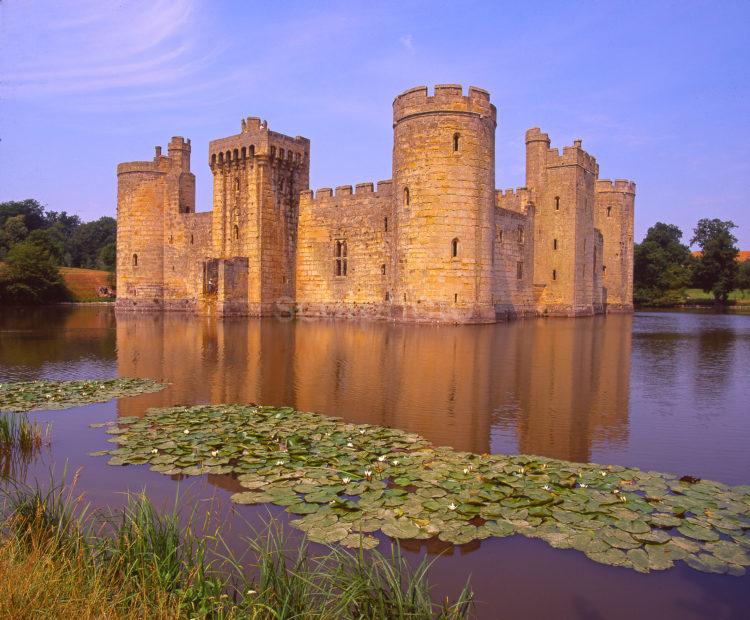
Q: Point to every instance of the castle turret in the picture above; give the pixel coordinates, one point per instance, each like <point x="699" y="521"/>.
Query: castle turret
<point x="615" y="204"/>
<point x="444" y="193"/>
<point x="141" y="196"/>
<point x="562" y="189"/>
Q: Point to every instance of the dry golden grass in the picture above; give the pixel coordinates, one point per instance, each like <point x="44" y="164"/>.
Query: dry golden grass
<point x="41" y="583"/>
<point x="84" y="283"/>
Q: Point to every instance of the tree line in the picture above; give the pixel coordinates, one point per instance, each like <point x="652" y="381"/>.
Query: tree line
<point x="34" y="242"/>
<point x="664" y="267"/>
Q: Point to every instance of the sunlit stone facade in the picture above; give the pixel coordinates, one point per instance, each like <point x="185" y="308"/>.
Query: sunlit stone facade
<point x="437" y="242"/>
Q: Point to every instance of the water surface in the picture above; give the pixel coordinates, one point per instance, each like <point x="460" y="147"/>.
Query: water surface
<point x="664" y="391"/>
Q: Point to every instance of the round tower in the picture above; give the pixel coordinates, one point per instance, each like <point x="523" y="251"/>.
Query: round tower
<point x="140" y="232"/>
<point x="444" y="192"/>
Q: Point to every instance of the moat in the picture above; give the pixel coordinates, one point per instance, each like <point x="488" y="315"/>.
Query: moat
<point x="662" y="391"/>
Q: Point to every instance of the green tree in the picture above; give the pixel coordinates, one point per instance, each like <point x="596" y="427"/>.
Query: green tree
<point x="90" y="238"/>
<point x="716" y="269"/>
<point x="29" y="276"/>
<point x="662" y="265"/>
<point x="31" y="210"/>
<point x="743" y="275"/>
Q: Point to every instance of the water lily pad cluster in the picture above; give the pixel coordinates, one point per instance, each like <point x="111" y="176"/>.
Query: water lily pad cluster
<point x="343" y="482"/>
<point x="31" y="395"/>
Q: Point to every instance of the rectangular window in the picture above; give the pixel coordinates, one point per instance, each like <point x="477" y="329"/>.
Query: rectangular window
<point x="339" y="258"/>
<point x="519" y="271"/>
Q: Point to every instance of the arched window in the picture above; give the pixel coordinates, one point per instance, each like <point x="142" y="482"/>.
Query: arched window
<point x="554" y="274"/>
<point x="557" y="203"/>
<point x="407" y="198"/>
<point x="604" y="268"/>
<point x="454" y="248"/>
<point x="500" y="236"/>
<point x="236" y="231"/>
<point x="339" y="257"/>
<point x="554" y="244"/>
<point x="221" y="158"/>
<point x="252" y="150"/>
<point x="281" y="153"/>
<point x="229" y="156"/>
<point x="385" y="224"/>
<point x="609" y="211"/>
<point x="519" y="270"/>
<point x="387" y="296"/>
<point x="213" y="160"/>
<point x="135" y="260"/>
<point x="236" y="154"/>
<point x="237" y="184"/>
<point x="171" y="238"/>
<point x="382" y="270"/>
<point x="456" y="141"/>
<point x="191" y="239"/>
<point x="455" y="298"/>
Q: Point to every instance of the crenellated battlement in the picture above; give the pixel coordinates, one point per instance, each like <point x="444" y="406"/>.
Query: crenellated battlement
<point x="572" y="156"/>
<point x="326" y="195"/>
<point x="447" y="98"/>
<point x="511" y="199"/>
<point x="620" y="186"/>
<point x="257" y="140"/>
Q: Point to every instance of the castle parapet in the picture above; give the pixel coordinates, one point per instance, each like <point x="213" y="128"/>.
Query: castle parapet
<point x="446" y="98"/>
<point x="572" y="156"/>
<point x="326" y="195"/>
<point x="257" y="140"/>
<point x="511" y="199"/>
<point x="622" y="186"/>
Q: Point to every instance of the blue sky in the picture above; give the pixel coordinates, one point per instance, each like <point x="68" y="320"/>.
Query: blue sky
<point x="658" y="91"/>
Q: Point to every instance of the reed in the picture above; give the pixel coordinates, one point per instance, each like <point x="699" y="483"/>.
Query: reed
<point x="59" y="559"/>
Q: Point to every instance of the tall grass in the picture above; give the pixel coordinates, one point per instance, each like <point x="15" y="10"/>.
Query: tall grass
<point x="58" y="559"/>
<point x="20" y="442"/>
<point x="16" y="431"/>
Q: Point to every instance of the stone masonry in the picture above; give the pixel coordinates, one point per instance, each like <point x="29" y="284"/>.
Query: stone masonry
<point x="438" y="242"/>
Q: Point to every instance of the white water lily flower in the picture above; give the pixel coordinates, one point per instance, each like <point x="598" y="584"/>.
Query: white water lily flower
<point x="381" y="458"/>
<point x="214" y="452"/>
<point x="279" y="463"/>
<point x="346" y="480"/>
<point x="154" y="451"/>
<point x="547" y="487"/>
<point x="603" y="473"/>
<point x="615" y="491"/>
<point x="466" y="470"/>
<point x="623" y="498"/>
<point x="395" y="462"/>
<point x="452" y="506"/>
<point x="186" y="431"/>
<point x="245" y="453"/>
<point x="361" y="431"/>
<point x="583" y="485"/>
<point x="251" y="592"/>
<point x="350" y="445"/>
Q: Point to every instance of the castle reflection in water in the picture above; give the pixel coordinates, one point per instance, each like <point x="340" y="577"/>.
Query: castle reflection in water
<point x="551" y="387"/>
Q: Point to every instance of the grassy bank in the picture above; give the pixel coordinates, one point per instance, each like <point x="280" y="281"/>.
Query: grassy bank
<point x="59" y="560"/>
<point x="84" y="284"/>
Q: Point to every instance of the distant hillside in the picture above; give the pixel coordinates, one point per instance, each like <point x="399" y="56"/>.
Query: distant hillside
<point x="741" y="257"/>
<point x="84" y="284"/>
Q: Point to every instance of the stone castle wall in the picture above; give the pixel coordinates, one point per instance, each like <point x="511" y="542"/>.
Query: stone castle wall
<point x="359" y="280"/>
<point x="437" y="243"/>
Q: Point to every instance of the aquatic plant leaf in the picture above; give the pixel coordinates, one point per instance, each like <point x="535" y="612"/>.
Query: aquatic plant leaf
<point x="47" y="395"/>
<point x="399" y="484"/>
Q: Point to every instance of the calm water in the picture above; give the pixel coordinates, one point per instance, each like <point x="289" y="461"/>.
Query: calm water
<point x="665" y="391"/>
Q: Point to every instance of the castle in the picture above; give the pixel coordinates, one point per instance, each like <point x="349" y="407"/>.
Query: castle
<point x="437" y="242"/>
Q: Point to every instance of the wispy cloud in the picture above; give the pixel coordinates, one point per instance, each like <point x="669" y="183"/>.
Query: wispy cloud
<point x="100" y="49"/>
<point x="407" y="42"/>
